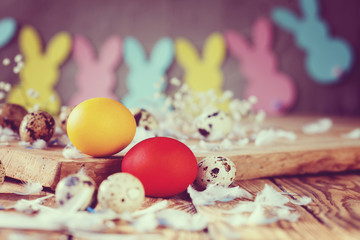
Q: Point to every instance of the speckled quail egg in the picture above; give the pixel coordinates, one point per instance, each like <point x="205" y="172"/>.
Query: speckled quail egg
<point x="2" y="173"/>
<point x="145" y="119"/>
<point x="214" y="125"/>
<point x="121" y="192"/>
<point x="11" y="116"/>
<point x="76" y="186"/>
<point x="218" y="170"/>
<point x="63" y="117"/>
<point x="37" y="125"/>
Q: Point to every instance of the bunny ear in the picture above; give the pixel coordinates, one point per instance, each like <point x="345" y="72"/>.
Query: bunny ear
<point x="285" y="19"/>
<point x="59" y="48"/>
<point x="310" y="8"/>
<point x="186" y="53"/>
<point x="262" y="34"/>
<point x="30" y="43"/>
<point x="111" y="52"/>
<point x="163" y="54"/>
<point x="134" y="54"/>
<point x="214" y="49"/>
<point x="7" y="30"/>
<point x="83" y="51"/>
<point x="237" y="44"/>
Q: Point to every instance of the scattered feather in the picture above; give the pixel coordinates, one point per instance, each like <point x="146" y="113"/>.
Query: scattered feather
<point x="146" y="223"/>
<point x="320" y="126"/>
<point x="70" y="152"/>
<point x="268" y="136"/>
<point x="24" y="144"/>
<point x="354" y="134"/>
<point x="301" y="201"/>
<point x="30" y="188"/>
<point x="39" y="144"/>
<point x="180" y="220"/>
<point x="7" y="135"/>
<point x="269" y="206"/>
<point x="216" y="193"/>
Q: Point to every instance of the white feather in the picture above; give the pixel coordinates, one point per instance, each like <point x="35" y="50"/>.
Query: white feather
<point x="70" y="152"/>
<point x="320" y="126"/>
<point x="30" y="188"/>
<point x="39" y="144"/>
<point x="216" y="193"/>
<point x="354" y="134"/>
<point x="181" y="220"/>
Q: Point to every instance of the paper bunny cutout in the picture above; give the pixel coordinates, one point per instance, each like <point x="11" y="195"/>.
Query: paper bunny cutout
<point x="96" y="76"/>
<point x="40" y="73"/>
<point x="202" y="74"/>
<point x="327" y="58"/>
<point x="7" y="30"/>
<point x="275" y="91"/>
<point x="145" y="81"/>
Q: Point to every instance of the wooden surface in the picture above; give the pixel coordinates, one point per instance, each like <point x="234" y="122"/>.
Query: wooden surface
<point x="333" y="214"/>
<point x="327" y="152"/>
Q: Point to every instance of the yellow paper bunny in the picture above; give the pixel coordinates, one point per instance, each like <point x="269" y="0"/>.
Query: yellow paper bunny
<point x="40" y="73"/>
<point x="203" y="74"/>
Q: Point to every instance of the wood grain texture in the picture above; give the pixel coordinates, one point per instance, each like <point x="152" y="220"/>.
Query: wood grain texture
<point x="327" y="152"/>
<point x="333" y="214"/>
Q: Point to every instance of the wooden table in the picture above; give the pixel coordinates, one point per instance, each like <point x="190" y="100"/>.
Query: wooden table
<point x="333" y="214"/>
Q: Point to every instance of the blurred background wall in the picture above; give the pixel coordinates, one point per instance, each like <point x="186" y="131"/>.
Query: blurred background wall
<point x="149" y="20"/>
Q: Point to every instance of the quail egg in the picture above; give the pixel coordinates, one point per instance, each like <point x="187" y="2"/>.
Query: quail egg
<point x="214" y="125"/>
<point x="121" y="192"/>
<point x="218" y="170"/>
<point x="145" y="119"/>
<point x="11" y="116"/>
<point x="75" y="186"/>
<point x="37" y="125"/>
<point x="63" y="117"/>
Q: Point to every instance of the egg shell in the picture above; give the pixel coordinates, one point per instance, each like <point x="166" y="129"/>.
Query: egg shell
<point x="74" y="185"/>
<point x="121" y="192"/>
<point x="37" y="125"/>
<point x="214" y="125"/>
<point x="164" y="165"/>
<point x="63" y="117"/>
<point x="11" y="116"/>
<point x="218" y="170"/>
<point x="145" y="119"/>
<point x="101" y="127"/>
<point x="2" y="172"/>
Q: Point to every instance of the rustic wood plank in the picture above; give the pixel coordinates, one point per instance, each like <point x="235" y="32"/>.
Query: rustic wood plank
<point x="335" y="201"/>
<point x="328" y="152"/>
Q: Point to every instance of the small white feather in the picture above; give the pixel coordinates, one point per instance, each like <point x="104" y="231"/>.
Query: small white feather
<point x="216" y="193"/>
<point x="70" y="152"/>
<point x="39" y="144"/>
<point x="181" y="220"/>
<point x="30" y="188"/>
<point x="354" y="134"/>
<point x="320" y="126"/>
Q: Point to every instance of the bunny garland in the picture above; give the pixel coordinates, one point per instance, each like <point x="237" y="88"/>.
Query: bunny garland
<point x="7" y="30"/>
<point x="275" y="91"/>
<point x="327" y="58"/>
<point x="96" y="76"/>
<point x="202" y="74"/>
<point x="40" y="73"/>
<point x="146" y="78"/>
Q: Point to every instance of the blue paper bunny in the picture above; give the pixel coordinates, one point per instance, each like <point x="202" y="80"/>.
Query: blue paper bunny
<point x="7" y="30"/>
<point x="145" y="81"/>
<point x="327" y="58"/>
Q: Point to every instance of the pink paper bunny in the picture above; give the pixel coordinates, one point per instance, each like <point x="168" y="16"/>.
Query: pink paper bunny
<point x="275" y="91"/>
<point x="96" y="76"/>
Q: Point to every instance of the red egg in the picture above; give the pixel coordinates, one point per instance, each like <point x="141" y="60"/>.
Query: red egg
<point x="165" y="166"/>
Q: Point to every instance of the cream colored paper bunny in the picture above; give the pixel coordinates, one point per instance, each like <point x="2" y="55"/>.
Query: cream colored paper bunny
<point x="40" y="73"/>
<point x="202" y="74"/>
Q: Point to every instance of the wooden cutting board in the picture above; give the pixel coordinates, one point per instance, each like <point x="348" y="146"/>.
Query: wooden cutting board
<point x="326" y="152"/>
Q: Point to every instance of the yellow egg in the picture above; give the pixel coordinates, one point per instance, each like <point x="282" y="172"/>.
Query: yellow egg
<point x="101" y="127"/>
